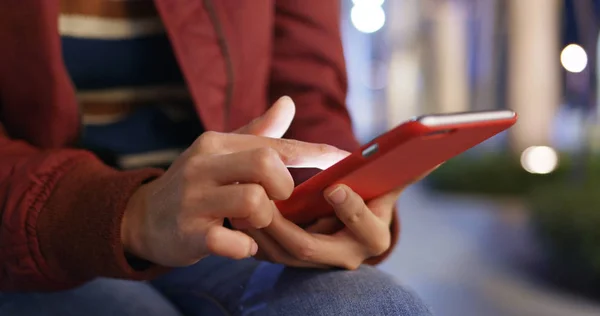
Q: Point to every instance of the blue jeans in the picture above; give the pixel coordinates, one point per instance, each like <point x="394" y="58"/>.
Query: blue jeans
<point x="218" y="286"/>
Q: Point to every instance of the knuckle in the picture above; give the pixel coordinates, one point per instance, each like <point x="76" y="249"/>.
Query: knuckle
<point x="264" y="159"/>
<point x="381" y="245"/>
<point x="307" y="251"/>
<point x="192" y="168"/>
<point x="211" y="241"/>
<point x="356" y="214"/>
<point x="208" y="141"/>
<point x="252" y="197"/>
<point x="324" y="148"/>
<point x="289" y="185"/>
<point x="287" y="149"/>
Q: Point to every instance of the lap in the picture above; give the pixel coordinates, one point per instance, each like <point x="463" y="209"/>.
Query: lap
<point x="250" y="287"/>
<point x="218" y="286"/>
<point x="100" y="297"/>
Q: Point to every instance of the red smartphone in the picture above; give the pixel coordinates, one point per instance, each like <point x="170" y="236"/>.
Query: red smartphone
<point x="396" y="158"/>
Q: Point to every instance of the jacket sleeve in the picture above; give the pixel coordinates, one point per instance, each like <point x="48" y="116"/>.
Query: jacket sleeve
<point x="308" y="65"/>
<point x="61" y="215"/>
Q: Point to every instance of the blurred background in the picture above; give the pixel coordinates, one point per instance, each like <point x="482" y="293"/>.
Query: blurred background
<point x="511" y="227"/>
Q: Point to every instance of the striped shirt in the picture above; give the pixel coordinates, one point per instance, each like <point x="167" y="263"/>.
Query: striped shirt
<point x="136" y="109"/>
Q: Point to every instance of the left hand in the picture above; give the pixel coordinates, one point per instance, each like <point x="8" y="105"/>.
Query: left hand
<point x="359" y="231"/>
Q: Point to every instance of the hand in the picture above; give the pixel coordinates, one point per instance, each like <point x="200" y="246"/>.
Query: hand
<point x="177" y="219"/>
<point x="359" y="231"/>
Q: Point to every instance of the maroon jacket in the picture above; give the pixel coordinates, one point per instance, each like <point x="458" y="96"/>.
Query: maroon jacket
<point x="61" y="207"/>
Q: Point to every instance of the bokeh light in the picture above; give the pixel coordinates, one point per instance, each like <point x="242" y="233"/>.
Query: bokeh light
<point x="367" y="18"/>
<point x="377" y="3"/>
<point x="574" y="58"/>
<point x="539" y="159"/>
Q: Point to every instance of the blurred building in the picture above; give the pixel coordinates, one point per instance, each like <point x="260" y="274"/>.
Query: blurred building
<point x="411" y="57"/>
<point x="537" y="57"/>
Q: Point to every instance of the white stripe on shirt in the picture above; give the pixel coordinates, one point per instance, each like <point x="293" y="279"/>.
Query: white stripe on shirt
<point x="94" y="27"/>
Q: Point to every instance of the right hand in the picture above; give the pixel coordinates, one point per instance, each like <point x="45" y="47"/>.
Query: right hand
<point x="177" y="219"/>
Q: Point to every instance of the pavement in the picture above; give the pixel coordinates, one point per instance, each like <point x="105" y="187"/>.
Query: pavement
<point x="456" y="253"/>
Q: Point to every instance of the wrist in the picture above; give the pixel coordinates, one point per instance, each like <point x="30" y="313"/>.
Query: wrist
<point x="130" y="236"/>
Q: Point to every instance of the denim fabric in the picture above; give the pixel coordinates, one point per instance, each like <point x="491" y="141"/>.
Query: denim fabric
<point x="218" y="286"/>
<point x="100" y="297"/>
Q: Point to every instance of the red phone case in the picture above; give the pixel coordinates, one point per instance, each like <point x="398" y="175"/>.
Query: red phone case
<point x="389" y="161"/>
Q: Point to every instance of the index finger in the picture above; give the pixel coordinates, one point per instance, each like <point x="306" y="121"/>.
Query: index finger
<point x="298" y="154"/>
<point x="293" y="153"/>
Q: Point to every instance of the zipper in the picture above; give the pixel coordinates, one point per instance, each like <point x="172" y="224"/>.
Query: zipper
<point x="208" y="4"/>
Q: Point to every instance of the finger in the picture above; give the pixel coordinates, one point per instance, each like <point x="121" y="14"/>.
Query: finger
<point x="350" y="208"/>
<point x="228" y="243"/>
<point x="248" y="202"/>
<point x="339" y="250"/>
<point x="383" y="206"/>
<point x="293" y="153"/>
<point x="260" y="166"/>
<point x="327" y="226"/>
<point x="275" y="122"/>
<point x="270" y="249"/>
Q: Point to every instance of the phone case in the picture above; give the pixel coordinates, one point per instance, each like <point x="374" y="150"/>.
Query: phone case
<point x="391" y="160"/>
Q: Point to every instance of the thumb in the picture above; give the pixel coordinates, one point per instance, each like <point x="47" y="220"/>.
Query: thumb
<point x="275" y="122"/>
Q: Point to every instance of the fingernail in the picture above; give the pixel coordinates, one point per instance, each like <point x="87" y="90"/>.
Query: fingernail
<point x="253" y="248"/>
<point x="337" y="196"/>
<point x="285" y="98"/>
